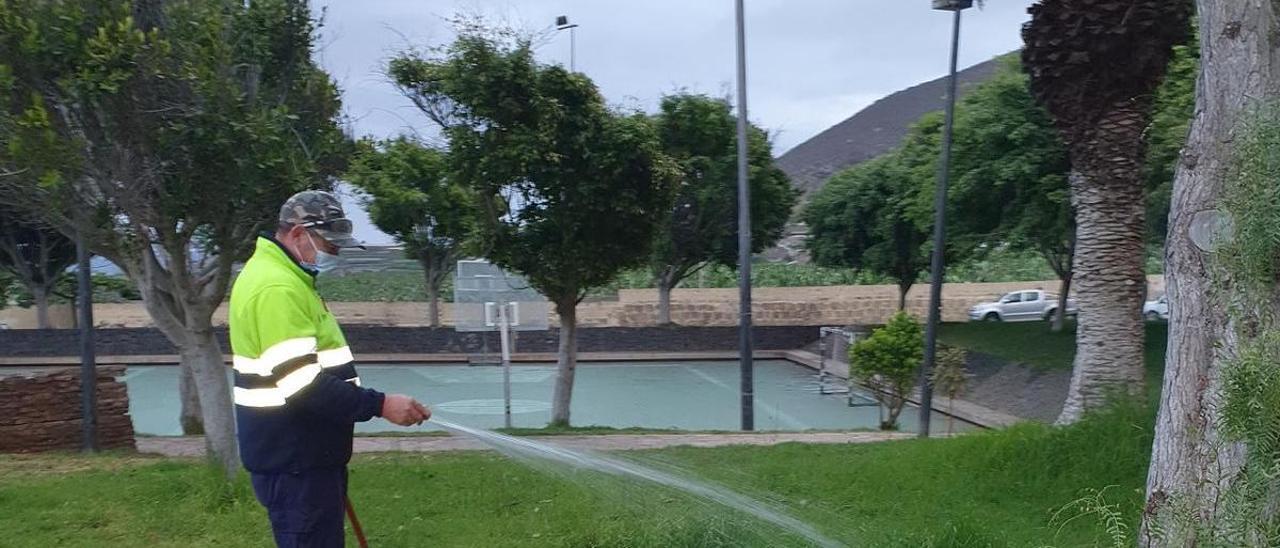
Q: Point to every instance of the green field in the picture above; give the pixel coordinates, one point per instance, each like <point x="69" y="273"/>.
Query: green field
<point x="990" y="489"/>
<point x="1014" y="487"/>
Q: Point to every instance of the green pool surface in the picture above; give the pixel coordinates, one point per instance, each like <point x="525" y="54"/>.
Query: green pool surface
<point x="697" y="395"/>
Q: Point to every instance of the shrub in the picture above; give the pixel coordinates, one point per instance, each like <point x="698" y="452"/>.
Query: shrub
<point x="887" y="362"/>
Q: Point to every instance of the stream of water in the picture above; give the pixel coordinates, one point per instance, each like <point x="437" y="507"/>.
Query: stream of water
<point x="523" y="448"/>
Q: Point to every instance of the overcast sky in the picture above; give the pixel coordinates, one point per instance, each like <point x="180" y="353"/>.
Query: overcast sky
<point x="810" y="63"/>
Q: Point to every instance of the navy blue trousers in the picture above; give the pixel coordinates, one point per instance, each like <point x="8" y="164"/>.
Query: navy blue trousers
<point x="306" y="508"/>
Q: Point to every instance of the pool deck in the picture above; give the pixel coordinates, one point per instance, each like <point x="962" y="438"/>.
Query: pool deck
<point x="193" y="446"/>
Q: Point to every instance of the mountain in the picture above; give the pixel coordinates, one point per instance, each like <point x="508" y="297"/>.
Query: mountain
<point x="873" y="131"/>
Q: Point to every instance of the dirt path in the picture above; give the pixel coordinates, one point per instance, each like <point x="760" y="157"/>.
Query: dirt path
<point x="194" y="446"/>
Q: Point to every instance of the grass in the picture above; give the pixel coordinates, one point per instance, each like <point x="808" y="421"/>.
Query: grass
<point x="987" y="489"/>
<point x="1033" y="344"/>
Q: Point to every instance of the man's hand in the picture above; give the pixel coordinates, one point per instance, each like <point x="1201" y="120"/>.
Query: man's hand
<point x="404" y="410"/>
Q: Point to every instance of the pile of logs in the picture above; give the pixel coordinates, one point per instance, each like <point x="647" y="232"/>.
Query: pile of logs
<point x="40" y="411"/>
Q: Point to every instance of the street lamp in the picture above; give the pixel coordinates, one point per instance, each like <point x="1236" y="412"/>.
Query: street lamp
<point x="562" y="23"/>
<point x="937" y="268"/>
<point x="746" y="356"/>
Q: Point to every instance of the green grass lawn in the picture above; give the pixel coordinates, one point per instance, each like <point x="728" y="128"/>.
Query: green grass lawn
<point x="1033" y="344"/>
<point x="987" y="489"/>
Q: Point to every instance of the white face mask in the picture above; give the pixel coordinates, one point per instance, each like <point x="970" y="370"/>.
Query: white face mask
<point x="324" y="262"/>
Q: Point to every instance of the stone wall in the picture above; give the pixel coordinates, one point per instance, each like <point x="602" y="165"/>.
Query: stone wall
<point x="40" y="411"/>
<point x="832" y="305"/>
<point x="366" y="339"/>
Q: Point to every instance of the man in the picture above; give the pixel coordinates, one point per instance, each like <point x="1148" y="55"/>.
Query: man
<point x="297" y="393"/>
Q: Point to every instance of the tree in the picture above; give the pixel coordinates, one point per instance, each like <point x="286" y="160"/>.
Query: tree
<point x="1171" y="119"/>
<point x="860" y="220"/>
<point x="1010" y="173"/>
<point x="168" y="133"/>
<point x="700" y="134"/>
<point x="949" y="378"/>
<point x="1208" y="459"/>
<point x="887" y="362"/>
<point x="414" y="200"/>
<point x="36" y="256"/>
<point x="570" y="192"/>
<point x="1095" y="65"/>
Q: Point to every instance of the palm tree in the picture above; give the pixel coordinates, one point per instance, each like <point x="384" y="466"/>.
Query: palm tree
<point x="1095" y="65"/>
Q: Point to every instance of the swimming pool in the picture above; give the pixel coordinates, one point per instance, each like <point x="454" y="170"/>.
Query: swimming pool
<point x="695" y="395"/>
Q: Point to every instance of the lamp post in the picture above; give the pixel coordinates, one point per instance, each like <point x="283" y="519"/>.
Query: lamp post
<point x="562" y="23"/>
<point x="938" y="266"/>
<point x="88" y="361"/>
<point x="745" y="353"/>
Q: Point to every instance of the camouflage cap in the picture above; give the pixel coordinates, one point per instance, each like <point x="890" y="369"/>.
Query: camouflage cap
<point x="322" y="213"/>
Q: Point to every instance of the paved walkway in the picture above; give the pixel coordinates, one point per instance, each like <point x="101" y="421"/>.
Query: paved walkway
<point x="194" y="446"/>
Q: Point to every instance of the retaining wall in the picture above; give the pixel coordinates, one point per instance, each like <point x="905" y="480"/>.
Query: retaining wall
<point x="40" y="411"/>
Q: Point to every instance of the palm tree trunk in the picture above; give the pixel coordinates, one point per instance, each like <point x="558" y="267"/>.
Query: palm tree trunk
<point x="1110" y="216"/>
<point x="1193" y="463"/>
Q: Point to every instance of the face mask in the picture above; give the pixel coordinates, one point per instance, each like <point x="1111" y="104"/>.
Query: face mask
<point x="324" y="262"/>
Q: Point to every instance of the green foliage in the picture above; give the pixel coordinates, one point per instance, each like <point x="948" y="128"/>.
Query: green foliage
<point x="399" y="286"/>
<point x="183" y="125"/>
<point x="1009" y="174"/>
<point x="949" y="376"/>
<point x="570" y="191"/>
<point x="1094" y="505"/>
<point x="700" y="134"/>
<point x="859" y="220"/>
<point x="35" y="255"/>
<point x="8" y="287"/>
<point x="1175" y="103"/>
<point x="1009" y="190"/>
<point x="412" y="198"/>
<point x="887" y="361"/>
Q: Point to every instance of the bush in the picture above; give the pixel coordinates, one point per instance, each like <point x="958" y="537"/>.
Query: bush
<point x="887" y="362"/>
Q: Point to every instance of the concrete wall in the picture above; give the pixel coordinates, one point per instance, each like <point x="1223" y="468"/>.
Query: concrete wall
<point x="60" y="317"/>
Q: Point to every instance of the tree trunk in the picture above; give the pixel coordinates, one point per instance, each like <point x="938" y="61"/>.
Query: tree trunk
<point x="664" y="297"/>
<point x="201" y="354"/>
<point x="189" y="416"/>
<point x="1193" y="465"/>
<point x="433" y="292"/>
<point x="903" y="289"/>
<point x="40" y="294"/>
<point x="566" y="364"/>
<point x="1107" y="193"/>
<point x="895" y="409"/>
<point x="1060" y="315"/>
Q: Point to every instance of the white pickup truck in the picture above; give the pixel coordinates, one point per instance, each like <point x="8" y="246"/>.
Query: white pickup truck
<point x="1026" y="305"/>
